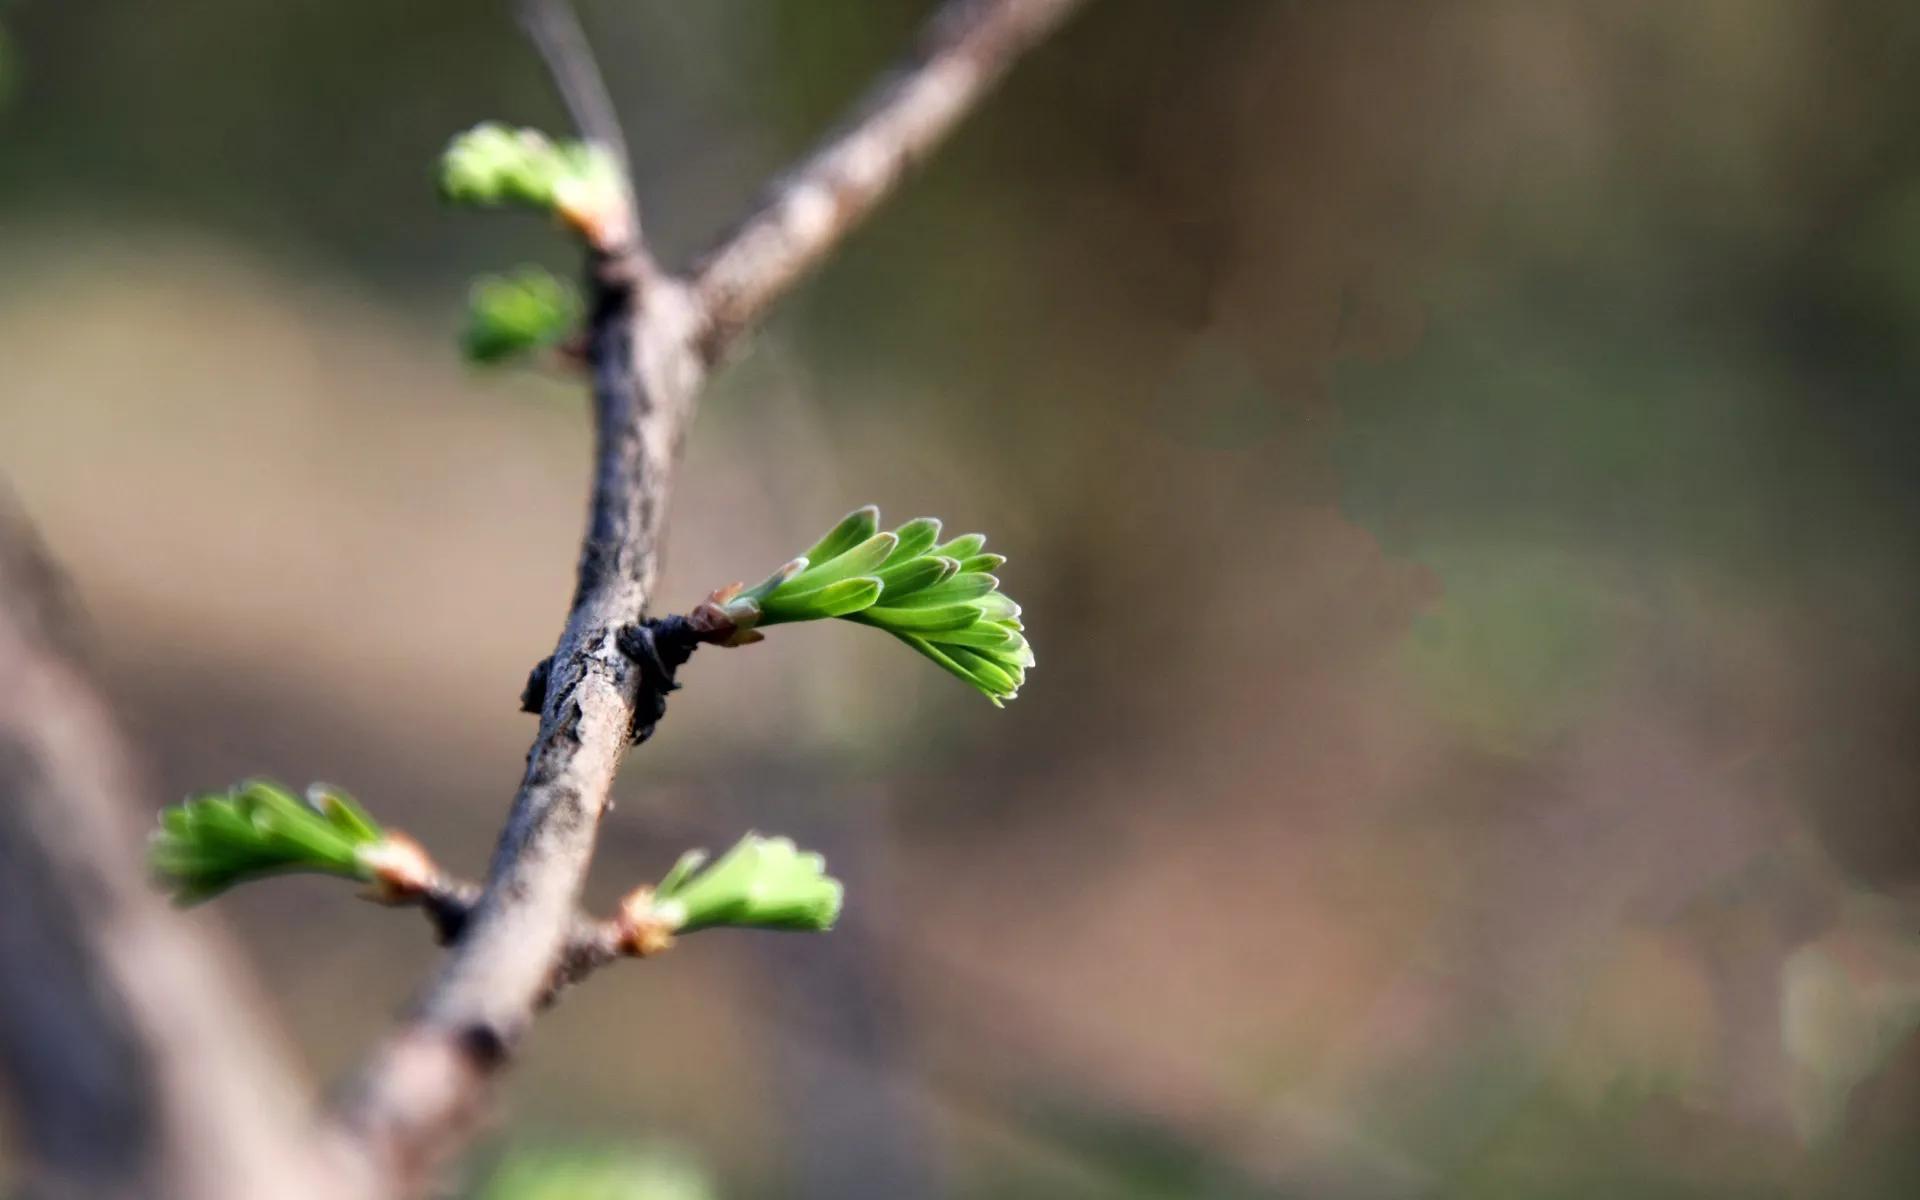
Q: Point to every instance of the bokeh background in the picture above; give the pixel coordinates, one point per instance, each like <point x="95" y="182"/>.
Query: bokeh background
<point x="1457" y="459"/>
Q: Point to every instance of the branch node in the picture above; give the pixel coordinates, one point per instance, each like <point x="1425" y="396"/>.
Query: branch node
<point x="659" y="646"/>
<point x="402" y="870"/>
<point x="643" y="932"/>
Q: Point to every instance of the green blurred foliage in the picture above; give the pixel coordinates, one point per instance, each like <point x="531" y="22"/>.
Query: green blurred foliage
<point x="597" y="1174"/>
<point x="516" y="314"/>
<point x="1521" y="644"/>
<point x="492" y="165"/>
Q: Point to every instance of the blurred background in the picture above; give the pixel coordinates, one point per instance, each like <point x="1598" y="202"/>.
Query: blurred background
<point x="1457" y="460"/>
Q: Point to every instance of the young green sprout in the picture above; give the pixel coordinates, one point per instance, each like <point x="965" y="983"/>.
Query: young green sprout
<point x="762" y="883"/>
<point x="213" y="841"/>
<point x="940" y="598"/>
<point x="492" y="166"/>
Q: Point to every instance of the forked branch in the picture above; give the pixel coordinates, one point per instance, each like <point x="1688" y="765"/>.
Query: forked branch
<point x="651" y="338"/>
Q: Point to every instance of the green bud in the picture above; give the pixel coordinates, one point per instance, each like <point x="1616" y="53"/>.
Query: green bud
<point x="491" y="165"/>
<point x="213" y="841"/>
<point x="763" y="883"/>
<point x="944" y="601"/>
<point x="510" y="315"/>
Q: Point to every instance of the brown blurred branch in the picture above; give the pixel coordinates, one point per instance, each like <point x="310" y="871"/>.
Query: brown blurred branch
<point x="136" y="1062"/>
<point x="964" y="50"/>
<point x="650" y="342"/>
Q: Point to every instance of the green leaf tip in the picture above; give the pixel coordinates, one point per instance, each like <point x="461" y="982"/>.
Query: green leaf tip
<point x="762" y="883"/>
<point x="943" y="600"/>
<point x="510" y="315"/>
<point x="492" y="165"/>
<point x="213" y="841"/>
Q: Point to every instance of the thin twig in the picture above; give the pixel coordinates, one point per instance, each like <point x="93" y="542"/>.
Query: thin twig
<point x="648" y="348"/>
<point x="964" y="50"/>
<point x="554" y="29"/>
<point x="555" y="32"/>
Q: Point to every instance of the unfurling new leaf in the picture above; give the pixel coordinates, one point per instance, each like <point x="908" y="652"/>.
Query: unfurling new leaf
<point x="491" y="165"/>
<point x="762" y="883"/>
<point x="213" y="841"/>
<point x="941" y="599"/>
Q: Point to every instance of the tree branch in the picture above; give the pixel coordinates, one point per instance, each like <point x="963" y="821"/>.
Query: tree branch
<point x="650" y="340"/>
<point x="590" y="944"/>
<point x="964" y="50"/>
<point x="421" y="1093"/>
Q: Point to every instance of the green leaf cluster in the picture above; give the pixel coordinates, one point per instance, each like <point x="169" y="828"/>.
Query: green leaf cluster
<point x="941" y="598"/>
<point x="213" y="841"/>
<point x="491" y="165"/>
<point x="510" y="315"/>
<point x="763" y="883"/>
